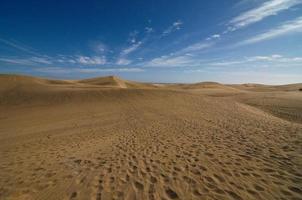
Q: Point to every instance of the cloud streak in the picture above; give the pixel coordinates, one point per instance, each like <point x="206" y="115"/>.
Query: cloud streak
<point x="270" y="60"/>
<point x="196" y="47"/>
<point x="26" y="61"/>
<point x="181" y="58"/>
<point x="169" y="61"/>
<point x="174" y="27"/>
<point x="285" y="28"/>
<point x="131" y="48"/>
<point x="16" y="45"/>
<point x="60" y="70"/>
<point x="95" y="60"/>
<point x="268" y="8"/>
<point x="75" y="60"/>
<point x="95" y="70"/>
<point x="123" y="61"/>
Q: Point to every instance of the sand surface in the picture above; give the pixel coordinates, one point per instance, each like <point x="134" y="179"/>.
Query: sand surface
<point x="106" y="138"/>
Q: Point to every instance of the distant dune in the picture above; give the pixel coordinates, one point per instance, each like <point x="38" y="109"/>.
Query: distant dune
<point x="268" y="88"/>
<point x="108" y="138"/>
<point x="114" y="81"/>
<point x="12" y="81"/>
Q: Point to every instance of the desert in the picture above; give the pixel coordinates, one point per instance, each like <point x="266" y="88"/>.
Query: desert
<point x="109" y="138"/>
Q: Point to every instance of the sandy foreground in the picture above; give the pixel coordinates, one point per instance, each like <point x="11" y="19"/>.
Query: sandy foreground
<point x="106" y="138"/>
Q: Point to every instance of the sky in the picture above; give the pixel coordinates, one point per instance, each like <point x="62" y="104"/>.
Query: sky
<point x="233" y="41"/>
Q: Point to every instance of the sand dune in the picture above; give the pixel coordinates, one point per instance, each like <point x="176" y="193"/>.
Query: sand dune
<point x="269" y="88"/>
<point x="114" y="81"/>
<point x="108" y="138"/>
<point x="110" y="81"/>
<point x="202" y="85"/>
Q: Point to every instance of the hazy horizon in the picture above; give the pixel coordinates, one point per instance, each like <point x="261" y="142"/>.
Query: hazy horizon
<point x="239" y="41"/>
<point x="139" y="80"/>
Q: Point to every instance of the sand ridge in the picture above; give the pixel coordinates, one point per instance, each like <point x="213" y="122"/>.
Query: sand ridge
<point x="86" y="140"/>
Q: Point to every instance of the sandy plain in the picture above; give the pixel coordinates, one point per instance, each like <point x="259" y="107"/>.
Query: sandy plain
<point x="107" y="138"/>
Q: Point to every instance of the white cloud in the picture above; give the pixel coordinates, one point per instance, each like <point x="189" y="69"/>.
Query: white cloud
<point x="182" y="58"/>
<point x="80" y="60"/>
<point x="41" y="60"/>
<point x="131" y="48"/>
<point x="71" y="61"/>
<point x="215" y="36"/>
<point x="123" y="61"/>
<point x="27" y="61"/>
<point x="244" y="3"/>
<point x="167" y="61"/>
<point x="227" y="63"/>
<point x="38" y="59"/>
<point x="16" y="61"/>
<point x="274" y="60"/>
<point x="95" y="60"/>
<point x="194" y="71"/>
<point x="19" y="47"/>
<point x="95" y="70"/>
<point x="60" y="70"/>
<point x="149" y="29"/>
<point x="268" y="8"/>
<point x="196" y="47"/>
<point x="177" y="24"/>
<point x="266" y="58"/>
<point x="285" y="28"/>
<point x="174" y="27"/>
<point x="185" y="60"/>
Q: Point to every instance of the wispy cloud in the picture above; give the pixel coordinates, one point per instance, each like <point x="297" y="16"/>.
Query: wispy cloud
<point x="149" y="29"/>
<point x="268" y="8"/>
<point x="267" y="60"/>
<point x="264" y="10"/>
<point x="174" y="27"/>
<point x="18" y="46"/>
<point x="75" y="60"/>
<point x="41" y="60"/>
<point x="123" y="57"/>
<point x="189" y="71"/>
<point x="16" y="61"/>
<point x="95" y="60"/>
<point x="134" y="45"/>
<point x="228" y="63"/>
<point x="215" y="36"/>
<point x="123" y="61"/>
<point x="244" y="3"/>
<point x="38" y="59"/>
<point x="80" y="60"/>
<point x="60" y="70"/>
<point x="26" y="61"/>
<point x="131" y="48"/>
<point x="198" y="46"/>
<point x="169" y="61"/>
<point x="285" y="28"/>
<point x="95" y="70"/>
<point x="184" y="57"/>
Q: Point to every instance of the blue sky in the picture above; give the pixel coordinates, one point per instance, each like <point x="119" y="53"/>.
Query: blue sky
<point x="232" y="41"/>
